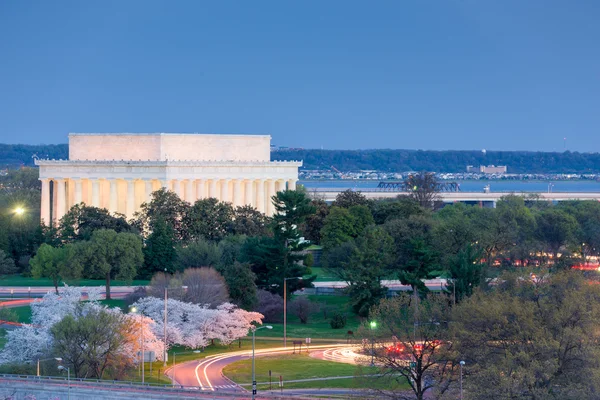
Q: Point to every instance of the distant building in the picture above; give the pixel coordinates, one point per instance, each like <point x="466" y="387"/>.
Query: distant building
<point x="490" y="169"/>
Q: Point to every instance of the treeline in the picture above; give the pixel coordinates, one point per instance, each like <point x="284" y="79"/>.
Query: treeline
<point x="381" y="160"/>
<point x="443" y="161"/>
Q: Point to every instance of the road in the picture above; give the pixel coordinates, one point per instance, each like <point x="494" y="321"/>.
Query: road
<point x="207" y="373"/>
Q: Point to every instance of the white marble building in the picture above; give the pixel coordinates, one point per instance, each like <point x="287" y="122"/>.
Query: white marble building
<point x="120" y="171"/>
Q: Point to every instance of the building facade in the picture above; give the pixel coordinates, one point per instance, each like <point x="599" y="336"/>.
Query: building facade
<point x="120" y="171"/>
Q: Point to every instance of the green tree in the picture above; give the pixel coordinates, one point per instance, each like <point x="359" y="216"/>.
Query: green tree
<point x="198" y="253"/>
<point x="555" y="228"/>
<point x="241" y="283"/>
<point x="338" y="228"/>
<point x="7" y="264"/>
<point x="401" y="207"/>
<point x="210" y="219"/>
<point x="81" y="221"/>
<point x="349" y="198"/>
<point x="533" y="339"/>
<point x="159" y="253"/>
<point x="110" y="255"/>
<point x="169" y="207"/>
<point x="422" y="262"/>
<point x="92" y="343"/>
<point x="315" y="222"/>
<point x="249" y="221"/>
<point x="54" y="263"/>
<point x="367" y="265"/>
<point x="465" y="271"/>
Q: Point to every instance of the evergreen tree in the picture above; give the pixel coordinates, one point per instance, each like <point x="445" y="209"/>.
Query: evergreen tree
<point x="159" y="253"/>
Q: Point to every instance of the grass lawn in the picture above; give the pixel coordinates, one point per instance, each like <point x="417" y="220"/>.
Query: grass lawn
<point x="318" y="322"/>
<point x="18" y="280"/>
<point x="301" y="366"/>
<point x="322" y="275"/>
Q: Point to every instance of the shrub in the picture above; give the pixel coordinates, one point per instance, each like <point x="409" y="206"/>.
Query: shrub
<point x="338" y="320"/>
<point x="270" y="305"/>
<point x="302" y="307"/>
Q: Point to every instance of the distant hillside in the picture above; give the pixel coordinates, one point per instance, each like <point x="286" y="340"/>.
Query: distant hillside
<point x="443" y="161"/>
<point x="14" y="155"/>
<point x="381" y="160"/>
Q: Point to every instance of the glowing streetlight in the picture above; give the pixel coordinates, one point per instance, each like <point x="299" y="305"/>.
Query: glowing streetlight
<point x="19" y="211"/>
<point x="372" y="325"/>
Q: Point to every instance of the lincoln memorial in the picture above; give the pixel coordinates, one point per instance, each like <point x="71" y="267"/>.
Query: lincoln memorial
<point x="120" y="171"/>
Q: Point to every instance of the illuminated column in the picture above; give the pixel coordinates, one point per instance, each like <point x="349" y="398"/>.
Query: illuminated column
<point x="78" y="190"/>
<point x="279" y="185"/>
<point x="148" y="194"/>
<point x="270" y="193"/>
<point x="177" y="188"/>
<point x="212" y="190"/>
<point x="95" y="193"/>
<point x="200" y="189"/>
<point x="260" y="195"/>
<point x="291" y="184"/>
<point x="112" y="196"/>
<point x="130" y="198"/>
<point x="237" y="192"/>
<point x="60" y="199"/>
<point x="190" y="196"/>
<point x="225" y="190"/>
<point x="248" y="194"/>
<point x="45" y="210"/>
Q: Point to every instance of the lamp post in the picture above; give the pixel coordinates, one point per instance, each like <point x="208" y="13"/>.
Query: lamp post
<point x="254" y="329"/>
<point x="165" y="322"/>
<point x="19" y="210"/>
<point x="62" y="367"/>
<point x="372" y="325"/>
<point x="134" y="311"/>
<point x="175" y="365"/>
<point x="461" y="390"/>
<point x="38" y="364"/>
<point x="285" y="308"/>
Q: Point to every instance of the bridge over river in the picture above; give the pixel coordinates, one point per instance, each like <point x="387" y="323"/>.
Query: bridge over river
<point x="481" y="198"/>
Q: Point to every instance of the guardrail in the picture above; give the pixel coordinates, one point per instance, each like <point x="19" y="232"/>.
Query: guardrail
<point x="151" y="388"/>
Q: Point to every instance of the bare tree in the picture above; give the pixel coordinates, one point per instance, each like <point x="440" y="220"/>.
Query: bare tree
<point x="302" y="307"/>
<point x="423" y="188"/>
<point x="204" y="286"/>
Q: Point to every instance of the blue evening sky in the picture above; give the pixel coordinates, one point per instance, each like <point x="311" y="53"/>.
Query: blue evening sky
<point x="412" y="74"/>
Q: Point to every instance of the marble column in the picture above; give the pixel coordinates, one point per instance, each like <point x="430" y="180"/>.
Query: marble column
<point x="95" y="192"/>
<point x="237" y="193"/>
<point x="212" y="190"/>
<point x="113" y="196"/>
<point x="260" y="195"/>
<point x="225" y="191"/>
<point x="78" y="191"/>
<point x="190" y="196"/>
<point x="148" y="190"/>
<point x="177" y="188"/>
<point x="200" y="189"/>
<point x="45" y="211"/>
<point x="130" y="205"/>
<point x="60" y="199"/>
<point x="291" y="184"/>
<point x="270" y="193"/>
<point x="279" y="185"/>
<point x="248" y="194"/>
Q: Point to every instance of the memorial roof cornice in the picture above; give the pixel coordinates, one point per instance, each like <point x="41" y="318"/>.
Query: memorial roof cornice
<point x="167" y="163"/>
<point x="167" y="134"/>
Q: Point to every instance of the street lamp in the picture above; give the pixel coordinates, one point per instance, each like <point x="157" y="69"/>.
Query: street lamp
<point x="19" y="210"/>
<point x="461" y="390"/>
<point x="134" y="311"/>
<point x="372" y="325"/>
<point x="285" y="308"/>
<point x="175" y="365"/>
<point x="165" y="322"/>
<point x="61" y="368"/>
<point x="38" y="364"/>
<point x="254" y="329"/>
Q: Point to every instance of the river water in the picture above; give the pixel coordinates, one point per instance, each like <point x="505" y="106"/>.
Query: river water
<point x="468" y="186"/>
